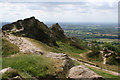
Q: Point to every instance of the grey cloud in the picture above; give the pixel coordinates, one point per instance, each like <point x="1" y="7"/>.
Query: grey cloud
<point x="64" y="6"/>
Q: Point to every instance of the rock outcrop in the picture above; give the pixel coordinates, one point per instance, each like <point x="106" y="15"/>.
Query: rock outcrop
<point x="5" y="70"/>
<point x="67" y="62"/>
<point x="81" y="72"/>
<point x="35" y="29"/>
<point x="11" y="74"/>
<point x="58" y="32"/>
<point x="31" y="28"/>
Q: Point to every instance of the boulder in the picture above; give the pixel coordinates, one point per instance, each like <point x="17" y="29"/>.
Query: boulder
<point x="67" y="62"/>
<point x="10" y="74"/>
<point x="79" y="72"/>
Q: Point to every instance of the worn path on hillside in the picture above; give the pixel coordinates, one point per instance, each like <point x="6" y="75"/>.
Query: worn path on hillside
<point x="26" y="46"/>
<point x="87" y="64"/>
<point x="23" y="44"/>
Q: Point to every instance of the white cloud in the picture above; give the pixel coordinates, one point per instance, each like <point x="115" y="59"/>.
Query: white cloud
<point x="59" y="0"/>
<point x="10" y="12"/>
<point x="92" y="10"/>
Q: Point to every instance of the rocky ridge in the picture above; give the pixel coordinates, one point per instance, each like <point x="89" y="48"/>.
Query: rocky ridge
<point x="31" y="28"/>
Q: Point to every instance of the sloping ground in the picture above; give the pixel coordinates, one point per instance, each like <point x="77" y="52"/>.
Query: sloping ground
<point x="37" y="66"/>
<point x="9" y="48"/>
<point x="23" y="44"/>
<point x="30" y="60"/>
<point x="32" y="65"/>
<point x="63" y="48"/>
<point x="105" y="74"/>
<point x="97" y="58"/>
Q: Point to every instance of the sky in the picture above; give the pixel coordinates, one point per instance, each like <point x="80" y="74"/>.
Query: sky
<point x="60" y="10"/>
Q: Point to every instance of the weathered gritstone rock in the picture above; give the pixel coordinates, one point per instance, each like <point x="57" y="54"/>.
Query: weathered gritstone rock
<point x="58" y="32"/>
<point x="14" y="75"/>
<point x="5" y="70"/>
<point x="67" y="62"/>
<point x="79" y="72"/>
<point x="23" y="44"/>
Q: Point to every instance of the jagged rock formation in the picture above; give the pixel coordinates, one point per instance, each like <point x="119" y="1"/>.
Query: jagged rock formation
<point x="31" y="28"/>
<point x="81" y="72"/>
<point x="35" y="29"/>
<point x="67" y="62"/>
<point x="60" y="36"/>
<point x="58" y="32"/>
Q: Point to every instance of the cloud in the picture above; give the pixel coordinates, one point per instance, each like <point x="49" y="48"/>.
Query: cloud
<point x="93" y="1"/>
<point x="10" y="12"/>
<point x="61" y="11"/>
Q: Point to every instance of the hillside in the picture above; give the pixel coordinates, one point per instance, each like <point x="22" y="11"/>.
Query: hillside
<point x="31" y="28"/>
<point x="32" y="50"/>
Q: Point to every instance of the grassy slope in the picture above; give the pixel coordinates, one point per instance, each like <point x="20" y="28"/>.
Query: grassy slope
<point x="29" y="65"/>
<point x="74" y="52"/>
<point x="8" y="48"/>
<point x="33" y="65"/>
<point x="63" y="48"/>
<point x="104" y="74"/>
<point x="70" y="50"/>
